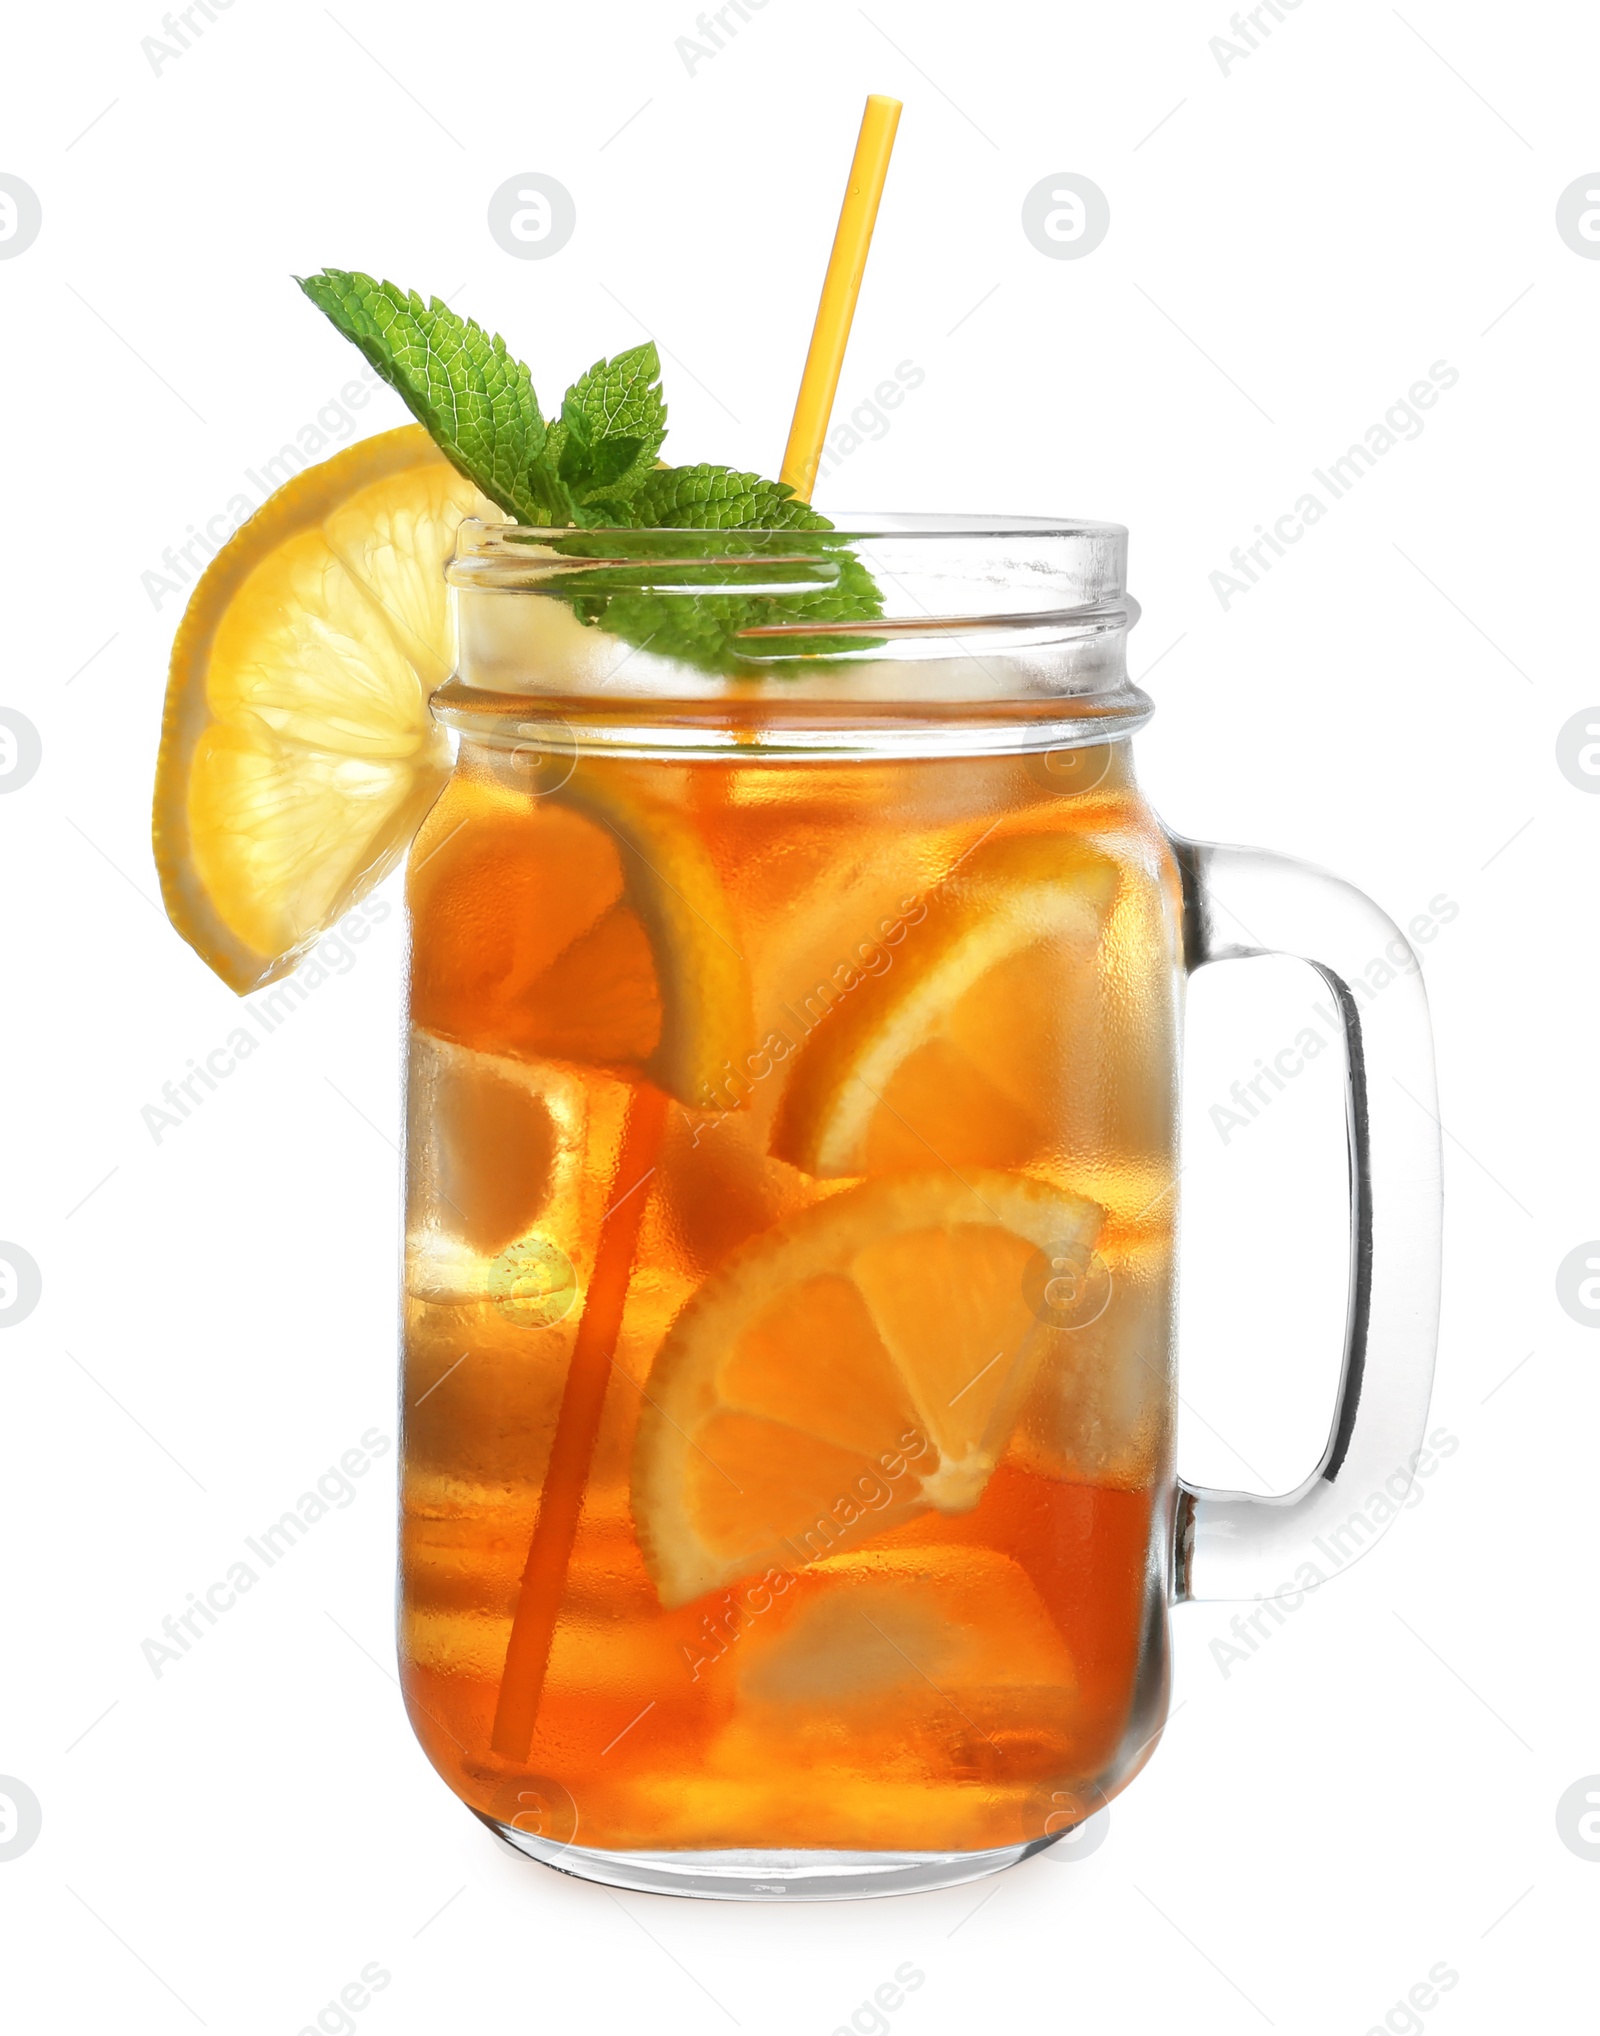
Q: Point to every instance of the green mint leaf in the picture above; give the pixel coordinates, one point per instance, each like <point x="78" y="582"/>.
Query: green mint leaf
<point x="678" y="592"/>
<point x="476" y="402"/>
<point x="621" y="397"/>
<point x="719" y="498"/>
<point x="601" y="513"/>
<point x="590" y="469"/>
<point x="549" y="500"/>
<point x="617" y="403"/>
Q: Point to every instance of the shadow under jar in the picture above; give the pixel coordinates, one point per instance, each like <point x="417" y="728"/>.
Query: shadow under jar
<point x="789" y="1507"/>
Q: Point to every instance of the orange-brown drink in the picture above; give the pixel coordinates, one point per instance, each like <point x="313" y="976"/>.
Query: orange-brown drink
<point x="786" y="1011"/>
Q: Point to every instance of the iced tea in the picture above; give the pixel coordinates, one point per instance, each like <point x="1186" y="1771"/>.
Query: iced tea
<point x="870" y="1552"/>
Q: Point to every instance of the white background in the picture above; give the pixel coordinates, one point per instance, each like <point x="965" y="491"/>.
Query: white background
<point x="1293" y="243"/>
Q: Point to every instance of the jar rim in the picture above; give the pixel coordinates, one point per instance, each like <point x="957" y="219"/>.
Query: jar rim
<point x="1000" y="630"/>
<point x="1085" y="561"/>
<point x="842" y="523"/>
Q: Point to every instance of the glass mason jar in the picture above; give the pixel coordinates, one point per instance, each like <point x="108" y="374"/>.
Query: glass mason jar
<point x="797" y="976"/>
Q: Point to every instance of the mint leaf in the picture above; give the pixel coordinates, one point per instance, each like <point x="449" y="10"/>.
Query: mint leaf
<point x="601" y="514"/>
<point x="585" y="468"/>
<point x="621" y="397"/>
<point x="718" y="498"/>
<point x="680" y="593"/>
<point x="476" y="402"/>
<point x="611" y="426"/>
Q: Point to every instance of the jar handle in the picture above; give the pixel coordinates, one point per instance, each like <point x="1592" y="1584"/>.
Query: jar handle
<point x="1246" y="901"/>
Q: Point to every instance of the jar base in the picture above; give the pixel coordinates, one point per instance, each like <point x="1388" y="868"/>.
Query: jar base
<point x="759" y="1876"/>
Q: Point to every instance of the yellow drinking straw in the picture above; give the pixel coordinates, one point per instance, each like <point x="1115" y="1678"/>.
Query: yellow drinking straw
<point x="840" y="288"/>
<point x="544" y="1576"/>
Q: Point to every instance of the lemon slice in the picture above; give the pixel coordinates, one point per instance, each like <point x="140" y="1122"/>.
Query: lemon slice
<point x="844" y="1371"/>
<point x="297" y="753"/>
<point x="942" y="1058"/>
<point x="589" y="926"/>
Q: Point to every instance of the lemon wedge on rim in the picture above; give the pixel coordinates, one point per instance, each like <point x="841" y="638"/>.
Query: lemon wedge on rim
<point x="298" y="755"/>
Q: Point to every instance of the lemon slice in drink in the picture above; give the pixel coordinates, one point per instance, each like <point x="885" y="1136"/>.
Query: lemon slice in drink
<point x="297" y="753"/>
<point x="854" y="1366"/>
<point x="588" y="926"/>
<point x="947" y="1056"/>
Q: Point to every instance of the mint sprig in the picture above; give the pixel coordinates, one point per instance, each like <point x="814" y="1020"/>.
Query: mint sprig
<point x="595" y="466"/>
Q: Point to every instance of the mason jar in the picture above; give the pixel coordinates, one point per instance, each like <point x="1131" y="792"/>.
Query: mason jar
<point x="797" y="973"/>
